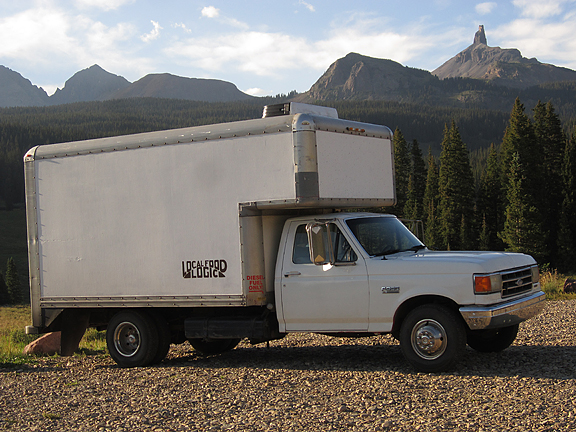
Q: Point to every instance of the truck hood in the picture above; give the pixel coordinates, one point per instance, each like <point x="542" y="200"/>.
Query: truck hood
<point x="448" y="262"/>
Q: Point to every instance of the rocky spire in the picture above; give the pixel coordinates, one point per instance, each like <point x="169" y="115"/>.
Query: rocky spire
<point x="480" y="36"/>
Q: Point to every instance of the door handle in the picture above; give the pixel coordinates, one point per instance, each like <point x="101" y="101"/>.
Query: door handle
<point x="292" y="273"/>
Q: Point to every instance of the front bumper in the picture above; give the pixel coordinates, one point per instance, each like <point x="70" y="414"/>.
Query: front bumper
<point x="503" y="314"/>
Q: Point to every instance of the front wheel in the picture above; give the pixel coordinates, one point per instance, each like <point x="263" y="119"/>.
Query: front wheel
<point x="132" y="339"/>
<point x="494" y="340"/>
<point x="432" y="338"/>
<point x="213" y="346"/>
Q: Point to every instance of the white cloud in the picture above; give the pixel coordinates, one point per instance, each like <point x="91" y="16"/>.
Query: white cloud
<point x="540" y="8"/>
<point x="272" y="54"/>
<point x="485" y="8"/>
<point x="550" y="42"/>
<point x="256" y="92"/>
<point x="47" y="40"/>
<point x="210" y="12"/>
<point x="182" y="26"/>
<point x="154" y="33"/>
<point x="307" y="5"/>
<point x="35" y="34"/>
<point x="103" y="4"/>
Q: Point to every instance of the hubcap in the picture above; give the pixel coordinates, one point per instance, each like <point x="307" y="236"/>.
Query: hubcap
<point x="429" y="339"/>
<point x="127" y="339"/>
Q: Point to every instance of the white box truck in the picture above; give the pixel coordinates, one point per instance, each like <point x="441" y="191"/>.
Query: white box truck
<point x="217" y="233"/>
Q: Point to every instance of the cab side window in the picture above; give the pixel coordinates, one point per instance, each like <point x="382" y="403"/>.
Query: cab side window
<point x="344" y="252"/>
<point x="301" y="251"/>
<point x="342" y="249"/>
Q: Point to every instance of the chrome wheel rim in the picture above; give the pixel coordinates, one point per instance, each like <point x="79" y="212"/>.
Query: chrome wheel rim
<point x="429" y="339"/>
<point x="127" y="339"/>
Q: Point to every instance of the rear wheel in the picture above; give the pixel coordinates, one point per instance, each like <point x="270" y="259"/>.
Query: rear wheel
<point x="213" y="346"/>
<point x="494" y="340"/>
<point x="132" y="338"/>
<point x="432" y="338"/>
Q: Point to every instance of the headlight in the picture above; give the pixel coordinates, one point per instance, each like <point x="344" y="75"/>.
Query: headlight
<point x="487" y="284"/>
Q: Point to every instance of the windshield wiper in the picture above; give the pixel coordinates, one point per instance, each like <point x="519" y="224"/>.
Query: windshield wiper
<point x="388" y="252"/>
<point x="394" y="251"/>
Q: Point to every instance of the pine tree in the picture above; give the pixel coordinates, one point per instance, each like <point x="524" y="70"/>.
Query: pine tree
<point x="519" y="138"/>
<point x="490" y="203"/>
<point x="413" y="209"/>
<point x="430" y="204"/>
<point x="456" y="190"/>
<point x="520" y="143"/>
<point x="13" y="282"/>
<point x="4" y="296"/>
<point x="401" y="169"/>
<point x="567" y="227"/>
<point x="551" y="144"/>
<point x="522" y="227"/>
<point x="484" y="242"/>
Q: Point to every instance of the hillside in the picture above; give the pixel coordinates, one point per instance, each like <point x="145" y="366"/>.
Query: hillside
<point x="175" y="87"/>
<point x="504" y="67"/>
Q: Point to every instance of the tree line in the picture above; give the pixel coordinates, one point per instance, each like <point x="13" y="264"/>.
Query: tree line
<point x="23" y="128"/>
<point x="509" y="187"/>
<point x="10" y="287"/>
<point x="522" y="201"/>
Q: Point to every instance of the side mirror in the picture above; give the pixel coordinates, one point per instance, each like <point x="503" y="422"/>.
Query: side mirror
<point x="320" y="241"/>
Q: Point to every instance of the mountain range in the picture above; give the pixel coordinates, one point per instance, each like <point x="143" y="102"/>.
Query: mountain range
<point x="96" y="84"/>
<point x="479" y="76"/>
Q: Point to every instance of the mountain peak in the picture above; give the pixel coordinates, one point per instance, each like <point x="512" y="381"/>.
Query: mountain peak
<point x="504" y="67"/>
<point x="93" y="83"/>
<point x="480" y="36"/>
<point x="15" y="90"/>
<point x="359" y="77"/>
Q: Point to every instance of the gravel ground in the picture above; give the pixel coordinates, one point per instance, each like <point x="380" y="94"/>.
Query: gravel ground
<point x="307" y="383"/>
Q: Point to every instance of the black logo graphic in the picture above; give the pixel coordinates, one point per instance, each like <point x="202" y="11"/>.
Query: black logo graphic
<point x="206" y="269"/>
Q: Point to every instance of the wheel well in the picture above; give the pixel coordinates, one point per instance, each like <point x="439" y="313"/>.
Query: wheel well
<point x="413" y="303"/>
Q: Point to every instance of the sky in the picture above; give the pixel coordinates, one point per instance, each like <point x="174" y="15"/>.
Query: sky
<point x="266" y="47"/>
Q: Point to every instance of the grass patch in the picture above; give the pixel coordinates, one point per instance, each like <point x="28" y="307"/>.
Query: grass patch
<point x="13" y="339"/>
<point x="553" y="285"/>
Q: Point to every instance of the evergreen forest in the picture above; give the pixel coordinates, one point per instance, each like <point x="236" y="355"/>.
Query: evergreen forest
<point x="478" y="179"/>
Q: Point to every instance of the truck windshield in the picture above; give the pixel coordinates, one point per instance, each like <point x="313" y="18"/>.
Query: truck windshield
<point x="380" y="236"/>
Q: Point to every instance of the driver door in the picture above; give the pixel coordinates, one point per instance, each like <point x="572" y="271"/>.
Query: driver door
<point x="329" y="298"/>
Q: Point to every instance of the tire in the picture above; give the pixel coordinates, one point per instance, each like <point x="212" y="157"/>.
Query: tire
<point x="213" y="346"/>
<point x="132" y="338"/>
<point x="164" y="338"/>
<point x="495" y="340"/>
<point x="432" y="338"/>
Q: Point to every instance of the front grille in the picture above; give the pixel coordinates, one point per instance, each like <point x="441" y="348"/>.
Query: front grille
<point x="516" y="282"/>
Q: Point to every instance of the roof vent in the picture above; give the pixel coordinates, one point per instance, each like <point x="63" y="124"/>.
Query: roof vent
<point x="291" y="108"/>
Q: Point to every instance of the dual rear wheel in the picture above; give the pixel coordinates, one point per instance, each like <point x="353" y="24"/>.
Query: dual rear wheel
<point x="139" y="338"/>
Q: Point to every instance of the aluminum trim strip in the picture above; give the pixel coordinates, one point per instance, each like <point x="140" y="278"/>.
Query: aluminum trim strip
<point x="142" y="301"/>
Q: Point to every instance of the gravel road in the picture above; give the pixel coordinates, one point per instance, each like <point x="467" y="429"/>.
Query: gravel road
<point x="307" y="383"/>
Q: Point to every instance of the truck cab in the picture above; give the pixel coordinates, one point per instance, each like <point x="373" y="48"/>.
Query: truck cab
<point x="366" y="273"/>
